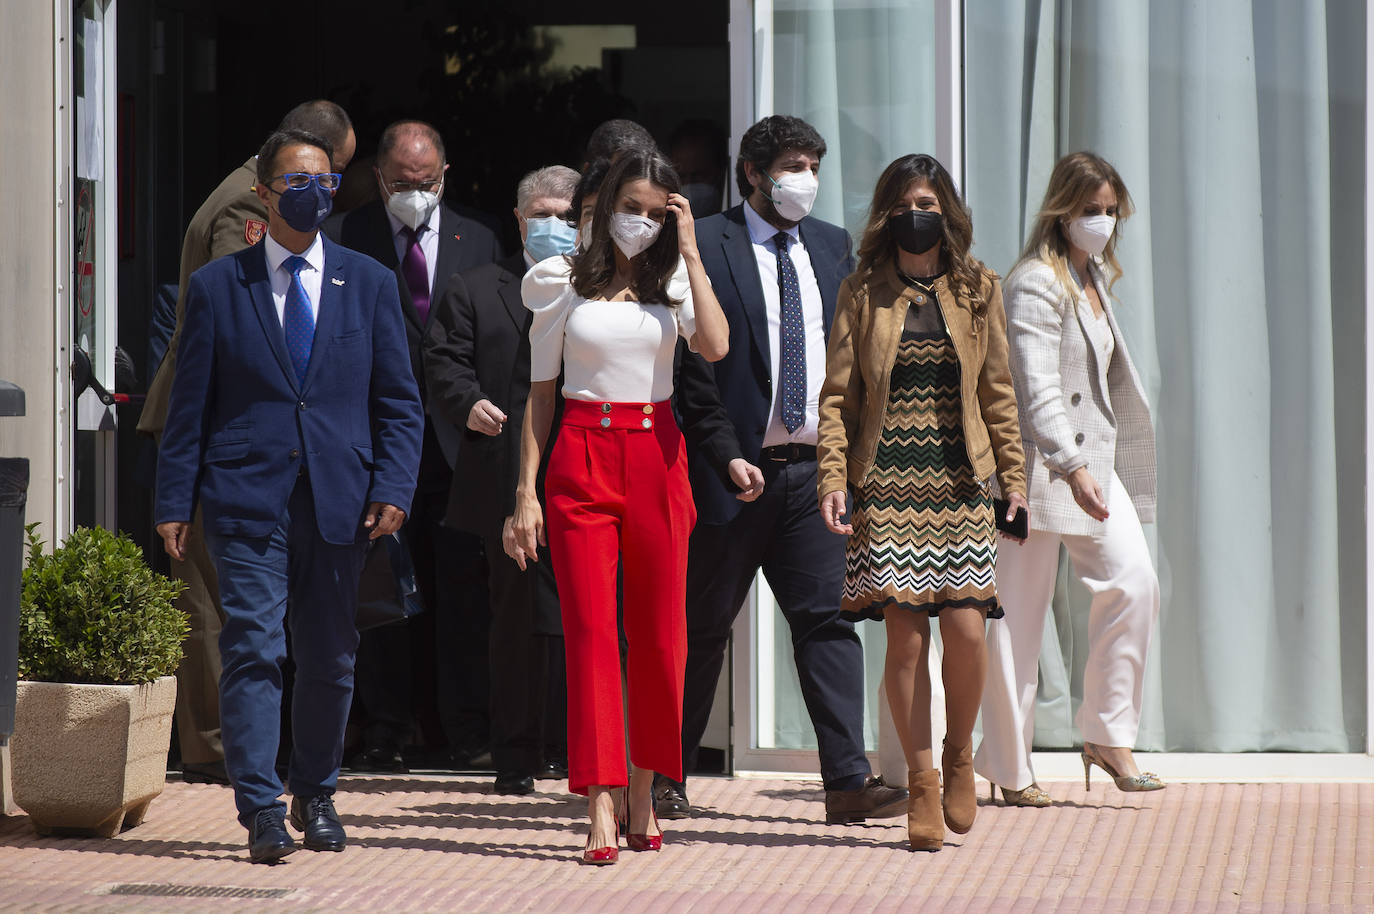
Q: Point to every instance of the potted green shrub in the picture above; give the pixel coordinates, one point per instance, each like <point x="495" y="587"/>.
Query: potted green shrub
<point x="99" y="640"/>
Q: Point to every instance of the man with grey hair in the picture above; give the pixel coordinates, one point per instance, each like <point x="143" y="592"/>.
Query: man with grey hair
<point x="478" y="374"/>
<point x="425" y="241"/>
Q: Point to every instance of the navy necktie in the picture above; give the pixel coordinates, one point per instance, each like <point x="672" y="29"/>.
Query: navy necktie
<point x="297" y="319"/>
<point x="792" y="330"/>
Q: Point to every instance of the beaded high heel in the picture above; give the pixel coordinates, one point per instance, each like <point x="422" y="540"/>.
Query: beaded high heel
<point x="1034" y="795"/>
<point x="1092" y="755"/>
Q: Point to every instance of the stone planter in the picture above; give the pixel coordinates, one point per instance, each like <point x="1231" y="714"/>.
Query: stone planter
<point x="88" y="759"/>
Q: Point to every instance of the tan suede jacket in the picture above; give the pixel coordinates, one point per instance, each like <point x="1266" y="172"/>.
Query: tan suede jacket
<point x="869" y="317"/>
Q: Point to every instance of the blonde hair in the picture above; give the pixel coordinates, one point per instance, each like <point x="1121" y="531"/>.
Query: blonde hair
<point x="1076" y="177"/>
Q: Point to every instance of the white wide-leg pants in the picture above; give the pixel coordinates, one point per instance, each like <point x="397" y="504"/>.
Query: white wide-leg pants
<point x="1114" y="564"/>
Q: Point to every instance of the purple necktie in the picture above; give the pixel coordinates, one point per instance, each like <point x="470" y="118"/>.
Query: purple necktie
<point x="416" y="272"/>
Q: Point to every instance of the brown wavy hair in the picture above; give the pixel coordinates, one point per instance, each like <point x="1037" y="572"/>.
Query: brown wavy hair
<point x="967" y="274"/>
<point x="594" y="268"/>
<point x="1075" y="178"/>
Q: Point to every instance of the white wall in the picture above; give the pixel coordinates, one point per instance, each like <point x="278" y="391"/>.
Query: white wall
<point x="30" y="228"/>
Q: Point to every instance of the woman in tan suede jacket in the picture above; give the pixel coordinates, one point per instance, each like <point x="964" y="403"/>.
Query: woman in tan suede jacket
<point x="917" y="416"/>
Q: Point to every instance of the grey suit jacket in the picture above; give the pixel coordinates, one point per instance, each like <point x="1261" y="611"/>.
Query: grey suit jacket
<point x="1075" y="411"/>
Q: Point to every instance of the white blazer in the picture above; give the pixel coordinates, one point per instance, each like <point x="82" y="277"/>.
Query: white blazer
<point x="1074" y="410"/>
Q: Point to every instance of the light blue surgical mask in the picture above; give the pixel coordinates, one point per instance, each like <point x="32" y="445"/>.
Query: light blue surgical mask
<point x="549" y="236"/>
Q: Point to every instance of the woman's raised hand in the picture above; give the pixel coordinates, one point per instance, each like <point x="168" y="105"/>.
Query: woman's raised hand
<point x="686" y="224"/>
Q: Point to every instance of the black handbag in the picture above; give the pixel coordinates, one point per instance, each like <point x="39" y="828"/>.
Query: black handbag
<point x="387" y="592"/>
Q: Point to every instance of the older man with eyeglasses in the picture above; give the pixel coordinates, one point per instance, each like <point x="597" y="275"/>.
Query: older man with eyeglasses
<point x="424" y="241"/>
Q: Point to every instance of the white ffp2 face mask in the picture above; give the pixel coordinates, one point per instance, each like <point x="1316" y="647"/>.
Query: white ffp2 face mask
<point x="794" y="194"/>
<point x="1091" y="233"/>
<point x="633" y="234"/>
<point x="413" y="207"/>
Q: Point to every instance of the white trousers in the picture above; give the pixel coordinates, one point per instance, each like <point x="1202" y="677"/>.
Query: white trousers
<point x="1114" y="564"/>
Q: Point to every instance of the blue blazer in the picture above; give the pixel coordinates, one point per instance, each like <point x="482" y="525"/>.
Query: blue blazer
<point x="240" y="426"/>
<point x="744" y="375"/>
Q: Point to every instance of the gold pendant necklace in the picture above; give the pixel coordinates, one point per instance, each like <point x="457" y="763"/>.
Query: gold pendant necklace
<point x="927" y="288"/>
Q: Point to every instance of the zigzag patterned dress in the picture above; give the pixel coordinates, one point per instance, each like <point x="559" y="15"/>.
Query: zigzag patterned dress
<point x="924" y="537"/>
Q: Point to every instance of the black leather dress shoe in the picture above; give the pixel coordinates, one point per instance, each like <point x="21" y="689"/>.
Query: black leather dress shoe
<point x="204" y="773"/>
<point x="385" y="759"/>
<point x="513" y="784"/>
<point x="268" y="839"/>
<point x="474" y="759"/>
<point x="670" y="800"/>
<point x="874" y="800"/>
<point x="316" y="817"/>
<point x="555" y="769"/>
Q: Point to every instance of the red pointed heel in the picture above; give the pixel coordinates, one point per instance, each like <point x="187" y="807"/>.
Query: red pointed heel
<point x="637" y="842"/>
<point x="602" y="856"/>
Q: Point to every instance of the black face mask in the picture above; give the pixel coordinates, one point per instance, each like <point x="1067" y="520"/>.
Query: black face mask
<point x="916" y="231"/>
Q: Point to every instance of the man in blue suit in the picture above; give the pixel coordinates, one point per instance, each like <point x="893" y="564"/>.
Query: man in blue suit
<point x="777" y="271"/>
<point x="295" y="424"/>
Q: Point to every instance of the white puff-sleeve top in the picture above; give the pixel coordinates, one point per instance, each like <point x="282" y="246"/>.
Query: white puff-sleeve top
<point x="609" y="351"/>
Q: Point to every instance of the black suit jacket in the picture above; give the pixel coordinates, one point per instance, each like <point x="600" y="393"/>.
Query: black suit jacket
<point x="464" y="242"/>
<point x="744" y="375"/>
<point x="481" y="351"/>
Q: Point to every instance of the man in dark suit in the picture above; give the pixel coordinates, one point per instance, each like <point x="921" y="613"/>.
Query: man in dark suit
<point x="295" y="427"/>
<point x="776" y="271"/>
<point x="478" y="373"/>
<point x="231" y="218"/>
<point x="441" y="656"/>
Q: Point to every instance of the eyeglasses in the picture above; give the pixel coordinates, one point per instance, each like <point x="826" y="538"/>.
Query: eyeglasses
<point x="400" y="187"/>
<point x="299" y="180"/>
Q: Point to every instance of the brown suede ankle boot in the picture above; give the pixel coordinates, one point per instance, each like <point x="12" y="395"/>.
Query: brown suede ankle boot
<point x="960" y="803"/>
<point x="924" y="830"/>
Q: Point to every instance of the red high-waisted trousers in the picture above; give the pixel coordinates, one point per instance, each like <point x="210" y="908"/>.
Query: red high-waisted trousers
<point x="617" y="487"/>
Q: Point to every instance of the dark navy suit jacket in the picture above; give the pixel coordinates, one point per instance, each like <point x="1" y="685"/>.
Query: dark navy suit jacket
<point x="240" y="425"/>
<point x="744" y="375"/>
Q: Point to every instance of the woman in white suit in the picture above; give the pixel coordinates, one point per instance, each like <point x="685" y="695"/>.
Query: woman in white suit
<point x="1090" y="463"/>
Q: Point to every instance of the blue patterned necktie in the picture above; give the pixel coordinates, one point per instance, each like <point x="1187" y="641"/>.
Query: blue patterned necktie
<point x="297" y="319"/>
<point x="792" y="330"/>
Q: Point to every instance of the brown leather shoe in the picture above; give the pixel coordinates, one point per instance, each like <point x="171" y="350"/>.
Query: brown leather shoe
<point x="960" y="803"/>
<point x="924" y="829"/>
<point x="874" y="800"/>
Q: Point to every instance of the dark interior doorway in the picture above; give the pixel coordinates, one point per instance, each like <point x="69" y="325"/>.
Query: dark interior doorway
<point x="511" y="85"/>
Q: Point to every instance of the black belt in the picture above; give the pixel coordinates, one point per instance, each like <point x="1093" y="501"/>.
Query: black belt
<point x="789" y="453"/>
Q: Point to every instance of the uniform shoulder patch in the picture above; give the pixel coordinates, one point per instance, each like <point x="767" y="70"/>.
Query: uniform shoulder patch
<point x="253" y="230"/>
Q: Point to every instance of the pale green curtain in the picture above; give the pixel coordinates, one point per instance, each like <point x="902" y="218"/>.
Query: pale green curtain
<point x="1238" y="125"/>
<point x="863" y="74"/>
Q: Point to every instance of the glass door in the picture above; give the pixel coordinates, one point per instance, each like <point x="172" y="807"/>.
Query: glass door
<point x="878" y="79"/>
<point x="93" y="256"/>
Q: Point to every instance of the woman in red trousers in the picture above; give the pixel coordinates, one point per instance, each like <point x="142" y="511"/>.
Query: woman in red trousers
<point x="607" y="318"/>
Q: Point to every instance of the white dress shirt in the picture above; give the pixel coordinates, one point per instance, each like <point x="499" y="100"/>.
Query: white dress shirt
<point x="429" y="242"/>
<point x="766" y="254"/>
<point x="312" y="277"/>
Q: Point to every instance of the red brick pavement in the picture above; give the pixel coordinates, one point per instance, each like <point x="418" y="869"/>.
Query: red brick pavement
<point x="430" y="843"/>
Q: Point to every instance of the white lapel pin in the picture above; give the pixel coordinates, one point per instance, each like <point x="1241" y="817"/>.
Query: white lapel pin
<point x="336" y="281"/>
